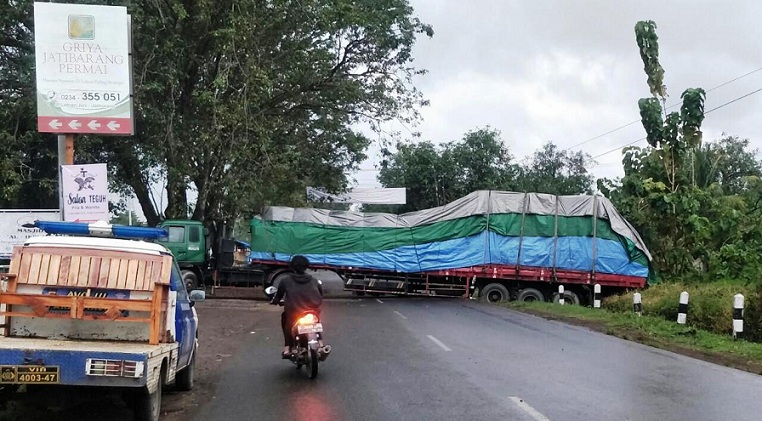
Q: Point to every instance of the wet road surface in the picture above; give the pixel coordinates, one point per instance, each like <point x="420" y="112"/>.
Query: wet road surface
<point x="434" y="359"/>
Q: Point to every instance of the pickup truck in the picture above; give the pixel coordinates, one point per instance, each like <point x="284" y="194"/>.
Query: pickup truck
<point x="81" y="310"/>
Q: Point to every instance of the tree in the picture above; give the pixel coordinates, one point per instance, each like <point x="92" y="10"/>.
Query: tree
<point x="436" y="175"/>
<point x="248" y="102"/>
<point x="555" y="171"/>
<point x="28" y="177"/>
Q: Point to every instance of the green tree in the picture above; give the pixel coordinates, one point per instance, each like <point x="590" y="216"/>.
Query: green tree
<point x="436" y="175"/>
<point x="246" y="102"/>
<point x="557" y="171"/>
<point x="28" y="177"/>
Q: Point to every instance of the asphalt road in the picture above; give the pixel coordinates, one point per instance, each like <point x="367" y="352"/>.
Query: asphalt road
<point x="434" y="359"/>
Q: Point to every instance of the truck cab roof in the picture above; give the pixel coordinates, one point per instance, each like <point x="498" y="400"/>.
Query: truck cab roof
<point x="99" y="243"/>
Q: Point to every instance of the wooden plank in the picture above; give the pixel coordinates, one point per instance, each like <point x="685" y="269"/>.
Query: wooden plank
<point x="91" y="252"/>
<point x="122" y="278"/>
<point x="140" y="276"/>
<point x="63" y="271"/>
<point x="113" y="273"/>
<point x="34" y="269"/>
<point x="53" y="270"/>
<point x="74" y="270"/>
<point x="15" y="260"/>
<point x="84" y="271"/>
<point x="26" y="267"/>
<point x="103" y="273"/>
<point x="42" y="278"/>
<point x="65" y="301"/>
<point x="166" y="270"/>
<point x="95" y="272"/>
<point x="154" y="335"/>
<point x="132" y="274"/>
<point x="155" y="276"/>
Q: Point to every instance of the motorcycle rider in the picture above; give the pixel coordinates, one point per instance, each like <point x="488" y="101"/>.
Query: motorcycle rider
<point x="303" y="292"/>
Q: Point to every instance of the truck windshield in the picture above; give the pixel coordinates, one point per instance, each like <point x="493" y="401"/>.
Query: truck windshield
<point x="176" y="234"/>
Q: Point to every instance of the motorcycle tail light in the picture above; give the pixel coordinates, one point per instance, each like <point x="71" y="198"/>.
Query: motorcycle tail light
<point x="308" y="319"/>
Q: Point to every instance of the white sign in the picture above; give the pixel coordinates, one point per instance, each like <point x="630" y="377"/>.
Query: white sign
<point x="85" y="192"/>
<point x="12" y="230"/>
<point x="82" y="54"/>
<point x="378" y="196"/>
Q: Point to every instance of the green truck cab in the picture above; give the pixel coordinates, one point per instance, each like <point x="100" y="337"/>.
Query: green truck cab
<point x="206" y="261"/>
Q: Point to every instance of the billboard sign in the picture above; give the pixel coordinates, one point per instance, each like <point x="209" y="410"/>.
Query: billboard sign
<point x="83" y="69"/>
<point x="12" y="229"/>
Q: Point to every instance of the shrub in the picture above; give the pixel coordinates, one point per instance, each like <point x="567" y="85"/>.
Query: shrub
<point x="710" y="306"/>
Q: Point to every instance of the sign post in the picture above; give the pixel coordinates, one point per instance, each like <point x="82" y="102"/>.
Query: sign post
<point x="83" y="74"/>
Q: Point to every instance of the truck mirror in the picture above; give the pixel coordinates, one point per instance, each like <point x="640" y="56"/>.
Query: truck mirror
<point x="197" y="295"/>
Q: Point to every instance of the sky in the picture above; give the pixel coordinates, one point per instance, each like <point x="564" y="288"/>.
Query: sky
<point x="570" y="71"/>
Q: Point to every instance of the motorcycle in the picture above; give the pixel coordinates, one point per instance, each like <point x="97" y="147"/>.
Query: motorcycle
<point x="308" y="349"/>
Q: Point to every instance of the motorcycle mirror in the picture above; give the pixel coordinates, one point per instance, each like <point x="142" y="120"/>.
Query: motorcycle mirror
<point x="270" y="291"/>
<point x="320" y="282"/>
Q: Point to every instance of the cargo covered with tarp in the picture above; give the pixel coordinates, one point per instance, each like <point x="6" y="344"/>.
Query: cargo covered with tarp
<point x="581" y="233"/>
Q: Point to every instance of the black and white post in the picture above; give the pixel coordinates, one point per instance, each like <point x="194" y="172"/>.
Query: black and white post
<point x="561" y="294"/>
<point x="636" y="304"/>
<point x="737" y="315"/>
<point x="682" y="309"/>
<point x="597" y="296"/>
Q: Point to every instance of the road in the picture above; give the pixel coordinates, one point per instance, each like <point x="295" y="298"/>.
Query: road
<point x="430" y="359"/>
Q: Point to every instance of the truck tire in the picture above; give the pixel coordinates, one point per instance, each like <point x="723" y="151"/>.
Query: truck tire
<point x="147" y="405"/>
<point x="494" y="293"/>
<point x="570" y="297"/>
<point x="190" y="279"/>
<point x="530" y="294"/>
<point x="185" y="377"/>
<point x="277" y="279"/>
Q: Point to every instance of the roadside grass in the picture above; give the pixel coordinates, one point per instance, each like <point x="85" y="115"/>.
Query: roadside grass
<point x="655" y="331"/>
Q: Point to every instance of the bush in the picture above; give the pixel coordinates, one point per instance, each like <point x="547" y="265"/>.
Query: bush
<point x="710" y="306"/>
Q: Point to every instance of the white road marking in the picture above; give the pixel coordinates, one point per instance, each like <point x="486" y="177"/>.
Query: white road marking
<point x="438" y="342"/>
<point x="400" y="314"/>
<point x="379" y="300"/>
<point x="528" y="409"/>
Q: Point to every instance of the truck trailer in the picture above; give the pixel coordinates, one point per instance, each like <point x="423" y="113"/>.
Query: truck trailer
<point x="495" y="245"/>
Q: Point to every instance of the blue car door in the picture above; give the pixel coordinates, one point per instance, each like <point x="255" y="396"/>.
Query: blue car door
<point x="185" y="320"/>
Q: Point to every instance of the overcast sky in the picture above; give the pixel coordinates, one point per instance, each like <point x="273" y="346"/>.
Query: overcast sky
<point x="569" y="71"/>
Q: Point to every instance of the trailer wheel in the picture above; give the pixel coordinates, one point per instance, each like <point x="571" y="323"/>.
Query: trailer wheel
<point x="279" y="278"/>
<point x="147" y="405"/>
<point x="570" y="297"/>
<point x="494" y="293"/>
<point x="190" y="279"/>
<point x="530" y="294"/>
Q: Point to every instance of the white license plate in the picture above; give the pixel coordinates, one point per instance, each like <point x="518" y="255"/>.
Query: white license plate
<point x="317" y="327"/>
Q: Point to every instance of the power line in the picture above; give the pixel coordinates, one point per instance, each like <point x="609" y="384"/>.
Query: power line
<point x="671" y="106"/>
<point x="705" y="112"/>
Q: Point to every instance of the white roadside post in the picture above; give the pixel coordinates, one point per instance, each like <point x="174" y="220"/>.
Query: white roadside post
<point x="737" y="315"/>
<point x="597" y="296"/>
<point x="561" y="294"/>
<point x="682" y="309"/>
<point x="636" y="304"/>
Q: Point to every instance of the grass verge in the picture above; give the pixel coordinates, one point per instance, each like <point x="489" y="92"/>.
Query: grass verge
<point x="656" y="332"/>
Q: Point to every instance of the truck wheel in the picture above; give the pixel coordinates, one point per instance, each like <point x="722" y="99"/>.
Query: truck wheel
<point x="148" y="404"/>
<point x="530" y="294"/>
<point x="190" y="279"/>
<point x="184" y="379"/>
<point x="494" y="293"/>
<point x="279" y="278"/>
<point x="570" y="297"/>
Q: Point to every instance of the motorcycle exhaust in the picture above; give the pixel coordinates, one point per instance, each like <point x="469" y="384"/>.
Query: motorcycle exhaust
<point x="323" y="352"/>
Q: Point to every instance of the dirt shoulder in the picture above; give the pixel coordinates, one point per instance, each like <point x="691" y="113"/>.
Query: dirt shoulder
<point x="633" y="334"/>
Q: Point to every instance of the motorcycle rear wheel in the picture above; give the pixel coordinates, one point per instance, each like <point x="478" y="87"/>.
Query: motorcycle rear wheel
<point x="312" y="363"/>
